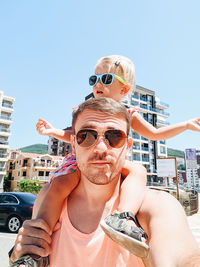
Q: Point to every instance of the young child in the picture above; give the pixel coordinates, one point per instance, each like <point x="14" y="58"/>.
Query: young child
<point x="115" y="78"/>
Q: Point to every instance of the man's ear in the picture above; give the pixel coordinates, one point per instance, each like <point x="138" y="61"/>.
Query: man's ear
<point x="125" y="89"/>
<point x="72" y="141"/>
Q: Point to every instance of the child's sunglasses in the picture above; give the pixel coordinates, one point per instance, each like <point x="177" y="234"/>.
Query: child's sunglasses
<point x="105" y="78"/>
<point x="88" y="137"/>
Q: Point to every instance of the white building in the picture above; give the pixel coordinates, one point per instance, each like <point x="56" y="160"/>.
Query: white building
<point x="154" y="111"/>
<point x="6" y="109"/>
<point x="192" y="167"/>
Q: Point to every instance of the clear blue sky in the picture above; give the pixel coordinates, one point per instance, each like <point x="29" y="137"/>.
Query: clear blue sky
<point x="49" y="48"/>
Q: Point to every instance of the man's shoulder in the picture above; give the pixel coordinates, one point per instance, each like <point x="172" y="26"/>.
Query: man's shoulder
<point x="158" y="201"/>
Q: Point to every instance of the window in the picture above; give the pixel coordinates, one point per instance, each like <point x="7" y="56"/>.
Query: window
<point x="8" y="199"/>
<point x="41" y="173"/>
<point x="47" y="173"/>
<point x="24" y="174"/>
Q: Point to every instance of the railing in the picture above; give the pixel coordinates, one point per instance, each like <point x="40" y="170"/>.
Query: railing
<point x="145" y="159"/>
<point x="136" y="96"/>
<point x="143" y="98"/>
<point x="43" y="178"/>
<point x="47" y="165"/>
<point x="162" y="104"/>
<point x="143" y="106"/>
<point x="4" y="130"/>
<point x="163" y="142"/>
<point x="3" y="155"/>
<point x="136" y="136"/>
<point x="143" y="138"/>
<point x="136" y="147"/>
<point x="163" y="122"/>
<point x="3" y="143"/>
<point x="5" y="117"/>
<point x="7" y="105"/>
<point x="136" y="158"/>
<point x="145" y="148"/>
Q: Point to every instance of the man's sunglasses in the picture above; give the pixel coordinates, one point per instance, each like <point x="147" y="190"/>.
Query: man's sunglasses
<point x="113" y="138"/>
<point x="105" y="78"/>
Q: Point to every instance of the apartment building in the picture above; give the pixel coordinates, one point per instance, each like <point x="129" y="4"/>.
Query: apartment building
<point x="6" y="109"/>
<point x="30" y="166"/>
<point x="192" y="159"/>
<point x="153" y="111"/>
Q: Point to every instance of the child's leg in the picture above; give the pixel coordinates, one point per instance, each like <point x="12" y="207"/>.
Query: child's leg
<point x="59" y="189"/>
<point x="65" y="179"/>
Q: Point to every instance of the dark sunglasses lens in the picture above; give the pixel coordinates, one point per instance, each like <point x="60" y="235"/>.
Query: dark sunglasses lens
<point x="86" y="138"/>
<point x="115" y="138"/>
<point x="92" y="80"/>
<point x="107" y="79"/>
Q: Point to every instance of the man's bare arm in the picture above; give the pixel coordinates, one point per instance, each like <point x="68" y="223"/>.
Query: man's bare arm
<point x="34" y="235"/>
<point x="170" y="239"/>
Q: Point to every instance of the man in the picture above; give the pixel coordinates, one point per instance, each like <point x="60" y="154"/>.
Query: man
<point x="80" y="241"/>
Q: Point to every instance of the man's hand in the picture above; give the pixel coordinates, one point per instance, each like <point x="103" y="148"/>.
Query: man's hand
<point x="33" y="238"/>
<point x="193" y="124"/>
<point x="44" y="127"/>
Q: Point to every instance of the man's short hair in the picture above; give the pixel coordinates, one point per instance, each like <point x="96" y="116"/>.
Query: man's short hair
<point x="105" y="105"/>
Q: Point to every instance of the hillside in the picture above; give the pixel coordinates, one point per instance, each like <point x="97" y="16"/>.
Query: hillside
<point x="43" y="149"/>
<point x="175" y="153"/>
<point x="37" y="148"/>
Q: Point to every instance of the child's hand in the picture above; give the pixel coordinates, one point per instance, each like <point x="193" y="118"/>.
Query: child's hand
<point x="44" y="127"/>
<point x="193" y="124"/>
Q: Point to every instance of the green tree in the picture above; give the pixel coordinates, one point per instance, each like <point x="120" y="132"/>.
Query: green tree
<point x="6" y="184"/>
<point x="31" y="186"/>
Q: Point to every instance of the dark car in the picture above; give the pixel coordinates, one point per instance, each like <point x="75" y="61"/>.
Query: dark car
<point x="15" y="207"/>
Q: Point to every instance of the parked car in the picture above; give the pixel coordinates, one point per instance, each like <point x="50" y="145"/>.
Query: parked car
<point x="15" y="207"/>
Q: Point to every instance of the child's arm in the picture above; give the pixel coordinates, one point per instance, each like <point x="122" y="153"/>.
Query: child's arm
<point x="133" y="187"/>
<point x="141" y="126"/>
<point x="45" y="128"/>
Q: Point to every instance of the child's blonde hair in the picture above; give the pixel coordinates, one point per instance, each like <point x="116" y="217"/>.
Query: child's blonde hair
<point x="123" y="67"/>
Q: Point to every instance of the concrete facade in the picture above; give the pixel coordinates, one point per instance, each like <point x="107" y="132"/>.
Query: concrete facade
<point x="6" y="110"/>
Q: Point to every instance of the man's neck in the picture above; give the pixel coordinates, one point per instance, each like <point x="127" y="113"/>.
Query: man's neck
<point x="87" y="202"/>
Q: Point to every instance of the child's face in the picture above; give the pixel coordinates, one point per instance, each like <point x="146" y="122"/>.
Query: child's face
<point x="116" y="90"/>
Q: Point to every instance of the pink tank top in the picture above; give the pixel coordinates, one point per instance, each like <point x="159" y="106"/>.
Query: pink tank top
<point x="71" y="248"/>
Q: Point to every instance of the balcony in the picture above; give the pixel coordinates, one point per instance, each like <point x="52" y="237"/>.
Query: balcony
<point x="135" y="136"/>
<point x="145" y="159"/>
<point x="163" y="142"/>
<point x="143" y="98"/>
<point x="3" y="117"/>
<point x="136" y="147"/>
<point x="43" y="178"/>
<point x="162" y="104"/>
<point x="143" y="138"/>
<point x="137" y="158"/>
<point x="143" y="106"/>
<point x="136" y="96"/>
<point x="7" y="105"/>
<point x="145" y="148"/>
<point x="162" y="122"/>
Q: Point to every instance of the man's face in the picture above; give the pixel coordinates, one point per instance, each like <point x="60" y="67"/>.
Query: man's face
<point x="100" y="163"/>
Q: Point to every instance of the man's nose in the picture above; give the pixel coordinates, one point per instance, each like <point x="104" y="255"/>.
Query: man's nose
<point x="101" y="144"/>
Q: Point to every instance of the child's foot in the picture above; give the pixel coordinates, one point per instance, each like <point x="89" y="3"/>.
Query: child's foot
<point x="130" y="237"/>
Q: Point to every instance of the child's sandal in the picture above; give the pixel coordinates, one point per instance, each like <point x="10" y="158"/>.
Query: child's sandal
<point x="129" y="237"/>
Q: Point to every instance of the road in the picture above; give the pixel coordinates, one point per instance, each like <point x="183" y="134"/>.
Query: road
<point x="7" y="240"/>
